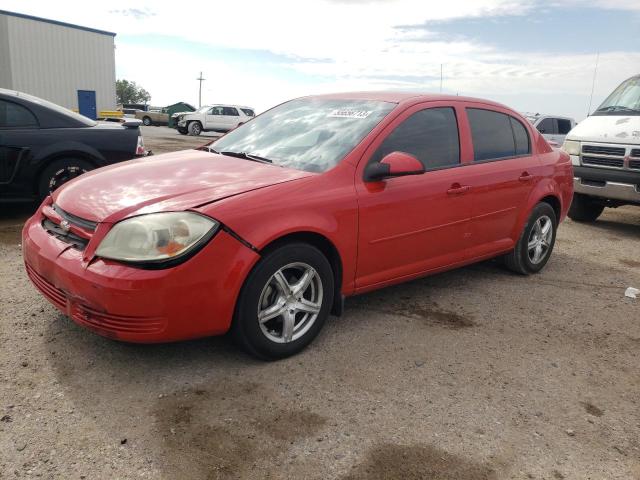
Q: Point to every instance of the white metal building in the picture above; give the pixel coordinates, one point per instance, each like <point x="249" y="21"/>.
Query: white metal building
<point x="70" y="65"/>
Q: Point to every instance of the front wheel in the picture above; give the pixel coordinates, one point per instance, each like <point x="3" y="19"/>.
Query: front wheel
<point x="536" y="242"/>
<point x="182" y="131"/>
<point x="195" y="128"/>
<point x="584" y="208"/>
<point x="284" y="302"/>
<point x="146" y="121"/>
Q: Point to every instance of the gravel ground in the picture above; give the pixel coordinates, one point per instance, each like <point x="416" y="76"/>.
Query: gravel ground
<point x="472" y="374"/>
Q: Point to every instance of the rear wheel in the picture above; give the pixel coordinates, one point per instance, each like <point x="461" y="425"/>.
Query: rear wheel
<point x="60" y="172"/>
<point x="195" y="128"/>
<point x="284" y="302"/>
<point x="536" y="242"/>
<point x="584" y="208"/>
<point x="146" y="121"/>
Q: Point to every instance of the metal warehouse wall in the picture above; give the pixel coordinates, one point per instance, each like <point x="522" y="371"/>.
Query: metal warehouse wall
<point x="54" y="61"/>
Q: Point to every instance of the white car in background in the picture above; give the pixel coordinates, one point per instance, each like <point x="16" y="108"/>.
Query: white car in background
<point x="219" y="118"/>
<point x="552" y="127"/>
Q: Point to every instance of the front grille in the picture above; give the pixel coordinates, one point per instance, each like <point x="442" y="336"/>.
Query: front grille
<point x="54" y="294"/>
<point x="63" y="235"/>
<point x="634" y="164"/>
<point x="594" y="149"/>
<point x="635" y="152"/>
<point x="603" y="161"/>
<point x="113" y="324"/>
<point x="51" y="225"/>
<point x="80" y="222"/>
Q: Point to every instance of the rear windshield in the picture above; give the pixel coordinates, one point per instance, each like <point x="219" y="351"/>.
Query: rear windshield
<point x="311" y="134"/>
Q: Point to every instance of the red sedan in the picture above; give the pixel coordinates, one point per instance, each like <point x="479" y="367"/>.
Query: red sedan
<point x="268" y="229"/>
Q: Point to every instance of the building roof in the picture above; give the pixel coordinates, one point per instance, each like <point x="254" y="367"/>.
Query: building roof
<point x="56" y="22"/>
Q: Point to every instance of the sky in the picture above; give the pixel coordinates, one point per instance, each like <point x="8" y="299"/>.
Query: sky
<point x="533" y="55"/>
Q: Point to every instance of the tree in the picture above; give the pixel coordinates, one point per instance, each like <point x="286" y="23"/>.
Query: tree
<point x="130" y="92"/>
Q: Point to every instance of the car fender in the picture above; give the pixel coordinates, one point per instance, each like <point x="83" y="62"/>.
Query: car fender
<point x="68" y="148"/>
<point x="259" y="219"/>
<point x="546" y="187"/>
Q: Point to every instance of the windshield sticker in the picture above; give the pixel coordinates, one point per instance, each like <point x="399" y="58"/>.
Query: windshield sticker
<point x="350" y="113"/>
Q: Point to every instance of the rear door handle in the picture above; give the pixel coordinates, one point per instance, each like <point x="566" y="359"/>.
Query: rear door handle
<point x="525" y="177"/>
<point x="457" y="189"/>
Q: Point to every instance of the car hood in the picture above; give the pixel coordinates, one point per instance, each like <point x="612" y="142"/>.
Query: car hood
<point x="170" y="182"/>
<point x="608" y="129"/>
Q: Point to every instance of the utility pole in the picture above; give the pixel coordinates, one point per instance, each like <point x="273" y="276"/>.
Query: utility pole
<point x="200" y="79"/>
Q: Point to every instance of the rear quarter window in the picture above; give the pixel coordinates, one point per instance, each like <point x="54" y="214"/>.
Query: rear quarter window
<point x="497" y="135"/>
<point x="13" y="115"/>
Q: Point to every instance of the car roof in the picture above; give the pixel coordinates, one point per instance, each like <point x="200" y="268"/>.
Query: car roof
<point x="404" y="97"/>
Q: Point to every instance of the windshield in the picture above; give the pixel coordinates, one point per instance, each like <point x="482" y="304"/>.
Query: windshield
<point x="624" y="100"/>
<point x="204" y="109"/>
<point x="311" y="134"/>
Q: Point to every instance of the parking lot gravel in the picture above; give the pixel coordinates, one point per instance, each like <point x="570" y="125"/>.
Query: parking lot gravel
<point x="472" y="374"/>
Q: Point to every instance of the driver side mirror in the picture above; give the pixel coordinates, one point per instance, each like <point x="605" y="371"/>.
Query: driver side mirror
<point x="395" y="164"/>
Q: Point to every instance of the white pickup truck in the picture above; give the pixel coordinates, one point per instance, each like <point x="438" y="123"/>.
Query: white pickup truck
<point x="605" y="152"/>
<point x="552" y="127"/>
<point x="219" y="118"/>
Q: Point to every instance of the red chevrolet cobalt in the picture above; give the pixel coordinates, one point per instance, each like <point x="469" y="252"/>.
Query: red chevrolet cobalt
<point x="265" y="231"/>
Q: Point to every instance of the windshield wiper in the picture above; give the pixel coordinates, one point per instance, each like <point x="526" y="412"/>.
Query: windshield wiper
<point x="617" y="108"/>
<point x="245" y="155"/>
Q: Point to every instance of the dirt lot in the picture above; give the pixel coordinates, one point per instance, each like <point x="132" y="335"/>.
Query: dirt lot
<point x="472" y="374"/>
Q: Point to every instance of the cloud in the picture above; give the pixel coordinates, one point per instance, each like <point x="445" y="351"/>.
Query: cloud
<point x="324" y="45"/>
<point x="137" y="13"/>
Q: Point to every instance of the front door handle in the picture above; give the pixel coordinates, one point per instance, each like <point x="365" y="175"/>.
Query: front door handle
<point x="457" y="189"/>
<point x="525" y="177"/>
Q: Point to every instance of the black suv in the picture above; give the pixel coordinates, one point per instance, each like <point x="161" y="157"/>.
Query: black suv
<point x="43" y="145"/>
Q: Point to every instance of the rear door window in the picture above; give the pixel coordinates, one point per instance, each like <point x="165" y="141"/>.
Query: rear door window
<point x="496" y="135"/>
<point x="430" y="135"/>
<point x="230" y="111"/>
<point x="547" y="126"/>
<point x="13" y="115"/>
<point x="564" y="126"/>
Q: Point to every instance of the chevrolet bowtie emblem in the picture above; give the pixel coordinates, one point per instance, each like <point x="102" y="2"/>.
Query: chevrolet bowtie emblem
<point x="65" y="225"/>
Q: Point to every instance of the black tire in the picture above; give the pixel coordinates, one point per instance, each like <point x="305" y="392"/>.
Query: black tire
<point x="195" y="128"/>
<point x="584" y="208"/>
<point x="182" y="131"/>
<point x="146" y="121"/>
<point x="519" y="259"/>
<point x="59" y="172"/>
<point x="254" y="336"/>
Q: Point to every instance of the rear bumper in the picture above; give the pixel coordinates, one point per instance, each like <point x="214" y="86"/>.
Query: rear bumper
<point x="618" y="185"/>
<point x="194" y="299"/>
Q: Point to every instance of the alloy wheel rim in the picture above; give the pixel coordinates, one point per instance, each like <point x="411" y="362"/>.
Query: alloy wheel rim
<point x="540" y="239"/>
<point x="63" y="175"/>
<point x="290" y="302"/>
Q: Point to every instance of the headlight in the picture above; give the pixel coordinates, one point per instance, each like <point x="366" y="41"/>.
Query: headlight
<point x="571" y="147"/>
<point x="156" y="237"/>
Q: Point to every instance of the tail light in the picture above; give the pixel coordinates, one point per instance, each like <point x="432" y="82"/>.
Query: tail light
<point x="140" y="147"/>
